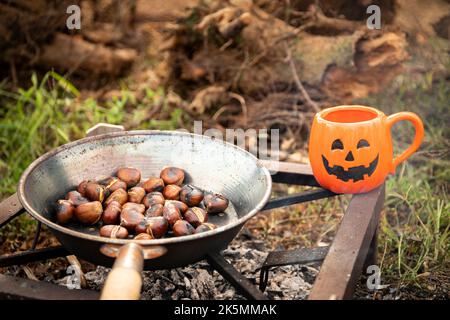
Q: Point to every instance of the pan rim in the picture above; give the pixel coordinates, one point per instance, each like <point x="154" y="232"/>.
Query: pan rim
<point x="36" y="215"/>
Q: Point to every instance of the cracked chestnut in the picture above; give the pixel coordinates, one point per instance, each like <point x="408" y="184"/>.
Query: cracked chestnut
<point x="120" y="195"/>
<point x="139" y="207"/>
<point x="113" y="231"/>
<point x="171" y="192"/>
<point x="130" y="176"/>
<point x="143" y="236"/>
<point x="136" y="194"/>
<point x="180" y="205"/>
<point x="113" y="183"/>
<point x="94" y="191"/>
<point x="191" y="195"/>
<point x="155" y="210"/>
<point x="172" y="175"/>
<point x="82" y="187"/>
<point x="171" y="213"/>
<point x="196" y="216"/>
<point x="182" y="228"/>
<point x="204" y="227"/>
<point x="76" y="198"/>
<point x="89" y="213"/>
<point x="64" y="211"/>
<point x="153" y="198"/>
<point x="157" y="227"/>
<point x="215" y="203"/>
<point x="153" y="184"/>
<point x="111" y="214"/>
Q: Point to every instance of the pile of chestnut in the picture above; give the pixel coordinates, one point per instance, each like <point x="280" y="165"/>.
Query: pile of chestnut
<point x="125" y="206"/>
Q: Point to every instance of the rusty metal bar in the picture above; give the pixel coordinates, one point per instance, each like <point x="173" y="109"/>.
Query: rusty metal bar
<point x="344" y="262"/>
<point x="9" y="209"/>
<point x="32" y="256"/>
<point x="305" y="196"/>
<point x="19" y="288"/>
<point x="237" y="280"/>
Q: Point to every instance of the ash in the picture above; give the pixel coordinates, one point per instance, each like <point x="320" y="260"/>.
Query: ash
<point x="200" y="281"/>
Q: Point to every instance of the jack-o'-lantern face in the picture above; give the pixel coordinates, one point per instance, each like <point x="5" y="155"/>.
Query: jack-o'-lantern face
<point x="350" y="162"/>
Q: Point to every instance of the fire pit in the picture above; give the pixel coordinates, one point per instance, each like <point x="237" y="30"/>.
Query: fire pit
<point x="353" y="247"/>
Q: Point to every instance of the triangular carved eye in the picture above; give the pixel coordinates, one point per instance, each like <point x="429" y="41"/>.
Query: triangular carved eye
<point x="362" y="144"/>
<point x="337" y="144"/>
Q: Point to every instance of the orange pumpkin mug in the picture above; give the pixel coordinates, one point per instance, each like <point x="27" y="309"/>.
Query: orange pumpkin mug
<point x="350" y="147"/>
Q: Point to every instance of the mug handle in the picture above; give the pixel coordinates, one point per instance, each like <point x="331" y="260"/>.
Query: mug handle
<point x="418" y="126"/>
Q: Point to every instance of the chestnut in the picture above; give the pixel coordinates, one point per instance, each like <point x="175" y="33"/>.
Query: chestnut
<point x="82" y="187"/>
<point x="130" y="218"/>
<point x="196" y="216"/>
<point x="113" y="231"/>
<point x="134" y="206"/>
<point x="205" y="227"/>
<point x="172" y="175"/>
<point x="76" y="198"/>
<point x="143" y="236"/>
<point x="64" y="211"/>
<point x="112" y="213"/>
<point x="191" y="195"/>
<point x="94" y="191"/>
<point x="89" y="213"/>
<point x="153" y="184"/>
<point x="136" y="194"/>
<point x="155" y="210"/>
<point x="171" y="192"/>
<point x="130" y="176"/>
<point x="171" y="213"/>
<point x="153" y="198"/>
<point x="182" y="228"/>
<point x="180" y="205"/>
<point x="215" y="203"/>
<point x="141" y="227"/>
<point x="113" y="183"/>
<point x="120" y="195"/>
<point x="157" y="227"/>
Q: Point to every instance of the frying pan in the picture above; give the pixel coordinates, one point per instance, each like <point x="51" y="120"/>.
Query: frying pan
<point x="210" y="164"/>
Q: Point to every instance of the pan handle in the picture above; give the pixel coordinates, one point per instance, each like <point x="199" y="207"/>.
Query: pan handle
<point x="124" y="281"/>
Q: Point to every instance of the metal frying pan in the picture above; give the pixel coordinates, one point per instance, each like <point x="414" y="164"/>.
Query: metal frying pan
<point x="210" y="164"/>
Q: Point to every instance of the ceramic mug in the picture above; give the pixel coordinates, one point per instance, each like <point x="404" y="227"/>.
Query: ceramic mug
<point x="350" y="147"/>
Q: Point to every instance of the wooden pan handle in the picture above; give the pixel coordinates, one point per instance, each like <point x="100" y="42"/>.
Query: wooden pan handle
<point x="125" y="280"/>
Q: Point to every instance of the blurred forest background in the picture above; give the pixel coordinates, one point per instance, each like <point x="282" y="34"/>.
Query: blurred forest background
<point x="241" y="64"/>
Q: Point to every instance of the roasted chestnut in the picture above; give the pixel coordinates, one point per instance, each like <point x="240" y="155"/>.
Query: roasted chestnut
<point x="136" y="194"/>
<point x="205" y="227"/>
<point x="94" y="191"/>
<point x="191" y="195"/>
<point x="76" y="198"/>
<point x="215" y="203"/>
<point x="143" y="236"/>
<point x="153" y="198"/>
<point x="182" y="228"/>
<point x="157" y="227"/>
<point x="139" y="207"/>
<point x="82" y="187"/>
<point x="180" y="205"/>
<point x="172" y="175"/>
<point x="171" y="192"/>
<point x="130" y="218"/>
<point x="171" y="213"/>
<point x="130" y="176"/>
<point x="111" y="214"/>
<point x="155" y="210"/>
<point x="196" y="216"/>
<point x="153" y="184"/>
<point x="64" y="211"/>
<point x="120" y="195"/>
<point x="113" y="231"/>
<point x="89" y="213"/>
<point x="113" y="183"/>
<point x="141" y="227"/>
